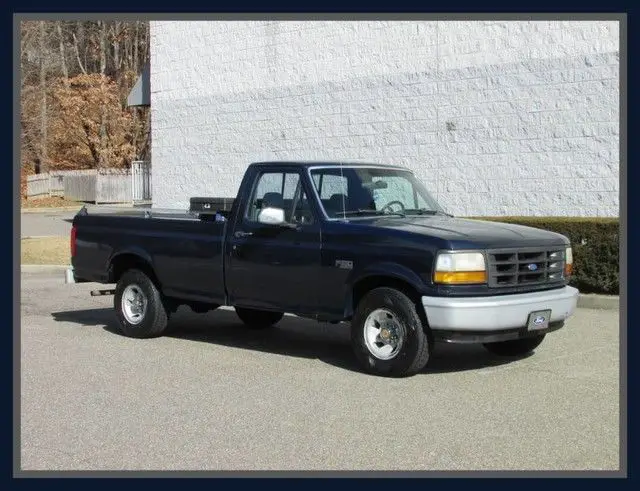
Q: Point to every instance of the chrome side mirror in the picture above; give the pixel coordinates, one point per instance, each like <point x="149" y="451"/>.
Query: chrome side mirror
<point x="271" y="216"/>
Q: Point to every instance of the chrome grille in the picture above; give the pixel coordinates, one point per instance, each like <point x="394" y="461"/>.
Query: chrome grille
<point x="525" y="266"/>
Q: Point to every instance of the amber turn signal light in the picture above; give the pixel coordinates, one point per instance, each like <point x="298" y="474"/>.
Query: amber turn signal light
<point x="460" y="277"/>
<point x="568" y="262"/>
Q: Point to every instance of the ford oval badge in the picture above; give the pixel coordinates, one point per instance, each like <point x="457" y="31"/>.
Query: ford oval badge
<point x="532" y="267"/>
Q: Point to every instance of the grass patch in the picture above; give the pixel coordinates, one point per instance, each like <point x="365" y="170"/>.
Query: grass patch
<point x="48" y="202"/>
<point x="45" y="250"/>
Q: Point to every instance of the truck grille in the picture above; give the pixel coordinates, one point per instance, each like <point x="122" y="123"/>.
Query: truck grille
<point x="526" y="266"/>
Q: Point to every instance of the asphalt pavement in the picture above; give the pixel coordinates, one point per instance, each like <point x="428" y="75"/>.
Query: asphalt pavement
<point x="212" y="395"/>
<point x="45" y="223"/>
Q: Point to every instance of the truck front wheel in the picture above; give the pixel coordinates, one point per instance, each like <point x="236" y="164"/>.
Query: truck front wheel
<point x="139" y="306"/>
<point x="515" y="347"/>
<point x="387" y="334"/>
<point x="258" y="319"/>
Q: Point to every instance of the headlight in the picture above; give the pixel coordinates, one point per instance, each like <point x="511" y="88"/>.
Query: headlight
<point x="460" y="268"/>
<point x="568" y="262"/>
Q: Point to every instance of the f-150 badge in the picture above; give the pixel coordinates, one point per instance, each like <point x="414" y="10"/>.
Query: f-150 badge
<point x="342" y="264"/>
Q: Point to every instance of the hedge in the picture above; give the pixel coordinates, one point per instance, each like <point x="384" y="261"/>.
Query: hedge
<point x="595" y="243"/>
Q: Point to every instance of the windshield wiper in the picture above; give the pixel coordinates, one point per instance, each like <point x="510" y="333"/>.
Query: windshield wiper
<point x="426" y="211"/>
<point x="369" y="211"/>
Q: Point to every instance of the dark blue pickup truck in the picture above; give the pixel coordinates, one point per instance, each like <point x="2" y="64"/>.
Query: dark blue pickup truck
<point x="361" y="243"/>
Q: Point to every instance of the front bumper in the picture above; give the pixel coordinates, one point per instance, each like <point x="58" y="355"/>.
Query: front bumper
<point x="487" y="315"/>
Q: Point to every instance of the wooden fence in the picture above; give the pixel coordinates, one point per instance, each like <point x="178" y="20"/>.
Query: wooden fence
<point x="80" y="188"/>
<point x="113" y="187"/>
<point x="38" y="185"/>
<point x="51" y="184"/>
<point x="98" y="186"/>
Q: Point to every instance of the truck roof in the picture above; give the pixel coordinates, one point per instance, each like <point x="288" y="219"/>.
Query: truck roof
<point x="313" y="163"/>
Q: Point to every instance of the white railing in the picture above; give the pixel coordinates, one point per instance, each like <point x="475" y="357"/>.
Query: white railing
<point x="141" y="181"/>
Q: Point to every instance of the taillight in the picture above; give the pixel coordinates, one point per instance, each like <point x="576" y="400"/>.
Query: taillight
<point x="74" y="233"/>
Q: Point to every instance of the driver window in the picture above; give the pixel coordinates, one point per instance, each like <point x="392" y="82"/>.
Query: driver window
<point x="281" y="190"/>
<point x="301" y="210"/>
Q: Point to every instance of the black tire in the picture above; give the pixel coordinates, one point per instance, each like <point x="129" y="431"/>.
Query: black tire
<point x="413" y="352"/>
<point x="515" y="347"/>
<point x="258" y="319"/>
<point x="154" y="320"/>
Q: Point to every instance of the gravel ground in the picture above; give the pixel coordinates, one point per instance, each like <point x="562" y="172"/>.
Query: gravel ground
<point x="214" y="396"/>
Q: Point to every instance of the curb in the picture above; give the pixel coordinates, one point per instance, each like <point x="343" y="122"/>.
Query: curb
<point x="603" y="302"/>
<point x="50" y="210"/>
<point x="43" y="268"/>
<point x="41" y="236"/>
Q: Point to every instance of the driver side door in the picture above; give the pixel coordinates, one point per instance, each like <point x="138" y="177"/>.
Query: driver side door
<point x="276" y="266"/>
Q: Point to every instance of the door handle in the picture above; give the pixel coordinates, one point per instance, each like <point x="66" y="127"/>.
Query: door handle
<point x="239" y="234"/>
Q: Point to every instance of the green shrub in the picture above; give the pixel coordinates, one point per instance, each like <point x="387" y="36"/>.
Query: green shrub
<point x="595" y="243"/>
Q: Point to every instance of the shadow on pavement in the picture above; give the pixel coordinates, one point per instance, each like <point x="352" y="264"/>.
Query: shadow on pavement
<point x="293" y="336"/>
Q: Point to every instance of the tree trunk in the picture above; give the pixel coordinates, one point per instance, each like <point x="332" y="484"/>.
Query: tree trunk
<point x="116" y="47"/>
<point x="146" y="44"/>
<point x="128" y="52"/>
<point x="63" y="58"/>
<point x="103" y="68"/>
<point x="135" y="49"/>
<point x="82" y="44"/>
<point x="43" y="100"/>
<point x="78" y="42"/>
<point x="103" y="46"/>
<point x="117" y="61"/>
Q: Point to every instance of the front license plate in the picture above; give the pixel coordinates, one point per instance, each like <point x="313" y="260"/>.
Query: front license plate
<point x="538" y="320"/>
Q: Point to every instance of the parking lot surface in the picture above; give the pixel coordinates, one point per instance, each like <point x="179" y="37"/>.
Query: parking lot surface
<point x="46" y="223"/>
<point x="215" y="396"/>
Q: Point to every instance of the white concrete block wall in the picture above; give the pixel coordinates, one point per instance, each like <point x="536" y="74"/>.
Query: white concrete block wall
<point x="497" y="118"/>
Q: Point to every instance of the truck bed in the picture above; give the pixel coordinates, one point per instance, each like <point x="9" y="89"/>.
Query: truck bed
<point x="185" y="251"/>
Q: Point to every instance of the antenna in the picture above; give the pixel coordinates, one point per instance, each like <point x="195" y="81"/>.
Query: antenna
<point x="344" y="194"/>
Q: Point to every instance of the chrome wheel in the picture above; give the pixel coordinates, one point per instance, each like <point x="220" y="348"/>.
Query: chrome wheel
<point x="134" y="304"/>
<point x="384" y="334"/>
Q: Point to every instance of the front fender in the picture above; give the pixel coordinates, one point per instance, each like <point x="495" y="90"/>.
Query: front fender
<point x="393" y="271"/>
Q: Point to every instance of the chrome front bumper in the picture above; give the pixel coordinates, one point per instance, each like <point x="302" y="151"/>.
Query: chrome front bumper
<point x="497" y="313"/>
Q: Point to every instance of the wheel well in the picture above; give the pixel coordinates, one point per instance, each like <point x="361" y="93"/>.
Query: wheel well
<point x="369" y="283"/>
<point x="124" y="262"/>
<point x="362" y="287"/>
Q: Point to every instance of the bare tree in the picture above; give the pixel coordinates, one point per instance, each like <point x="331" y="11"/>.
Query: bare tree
<point x="102" y="26"/>
<point x="136" y="44"/>
<point x="54" y="54"/>
<point x="117" y="63"/>
<point x="43" y="97"/>
<point x="63" y="58"/>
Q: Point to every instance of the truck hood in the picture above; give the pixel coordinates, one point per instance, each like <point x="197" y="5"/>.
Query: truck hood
<point x="464" y="233"/>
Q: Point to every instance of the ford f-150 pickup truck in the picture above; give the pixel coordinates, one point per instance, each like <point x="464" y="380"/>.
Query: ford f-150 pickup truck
<point x="360" y="243"/>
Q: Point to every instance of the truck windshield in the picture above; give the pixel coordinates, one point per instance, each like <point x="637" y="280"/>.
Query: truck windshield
<point x="368" y="191"/>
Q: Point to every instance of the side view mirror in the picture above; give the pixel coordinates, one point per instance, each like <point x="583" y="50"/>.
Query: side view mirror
<point x="271" y="216"/>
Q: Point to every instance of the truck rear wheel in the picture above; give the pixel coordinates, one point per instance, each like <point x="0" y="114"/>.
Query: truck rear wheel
<point x="258" y="319"/>
<point x="139" y="306"/>
<point x="387" y="334"/>
<point x="515" y="347"/>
